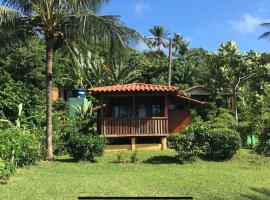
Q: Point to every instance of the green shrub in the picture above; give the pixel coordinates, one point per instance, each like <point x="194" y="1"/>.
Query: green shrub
<point x="224" y="119"/>
<point x="210" y="144"/>
<point x="207" y="111"/>
<point x="264" y="144"/>
<point x="123" y="157"/>
<point x="6" y="169"/>
<point x="86" y="146"/>
<point x="185" y="147"/>
<point x="199" y="132"/>
<point x="63" y="127"/>
<point x="19" y="146"/>
<point x="222" y="144"/>
<point x="134" y="157"/>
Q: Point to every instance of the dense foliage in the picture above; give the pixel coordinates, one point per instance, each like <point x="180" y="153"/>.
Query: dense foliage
<point x="18" y="146"/>
<point x="185" y="147"/>
<point x="6" y="170"/>
<point x="208" y="143"/>
<point x="222" y="144"/>
<point x="86" y="146"/>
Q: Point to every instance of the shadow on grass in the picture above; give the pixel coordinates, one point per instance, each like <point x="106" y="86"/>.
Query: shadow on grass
<point x="71" y="160"/>
<point x="65" y="160"/>
<point x="161" y="160"/>
<point x="261" y="194"/>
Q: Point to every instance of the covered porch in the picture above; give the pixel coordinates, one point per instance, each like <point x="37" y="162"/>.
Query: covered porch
<point x="134" y="115"/>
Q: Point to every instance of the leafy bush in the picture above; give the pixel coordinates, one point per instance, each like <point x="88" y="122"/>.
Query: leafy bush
<point x="224" y="119"/>
<point x="210" y="144"/>
<point x="19" y="146"/>
<point x="199" y="131"/>
<point x="59" y="104"/>
<point x="63" y="127"/>
<point x="6" y="169"/>
<point x="223" y="144"/>
<point x="86" y="146"/>
<point x="264" y="136"/>
<point x="207" y="111"/>
<point x="134" y="157"/>
<point x="185" y="147"/>
<point x="264" y="144"/>
<point x="123" y="157"/>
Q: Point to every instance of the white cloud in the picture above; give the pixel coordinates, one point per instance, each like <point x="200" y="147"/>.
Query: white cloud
<point x="142" y="7"/>
<point x="247" y="24"/>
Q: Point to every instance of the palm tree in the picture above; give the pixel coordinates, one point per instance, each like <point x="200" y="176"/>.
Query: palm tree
<point x="160" y="37"/>
<point x="60" y="22"/>
<point x="265" y="35"/>
<point x="179" y="45"/>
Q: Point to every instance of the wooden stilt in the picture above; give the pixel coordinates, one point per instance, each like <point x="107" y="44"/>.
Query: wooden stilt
<point x="133" y="143"/>
<point x="164" y="143"/>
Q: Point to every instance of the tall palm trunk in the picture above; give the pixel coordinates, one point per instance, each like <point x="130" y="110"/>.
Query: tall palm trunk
<point x="49" y="65"/>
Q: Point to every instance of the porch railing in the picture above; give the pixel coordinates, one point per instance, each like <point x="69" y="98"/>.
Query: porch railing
<point x="134" y="127"/>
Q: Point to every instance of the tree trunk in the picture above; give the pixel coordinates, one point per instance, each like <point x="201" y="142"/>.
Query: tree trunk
<point x="49" y="65"/>
<point x="170" y="63"/>
<point x="234" y="106"/>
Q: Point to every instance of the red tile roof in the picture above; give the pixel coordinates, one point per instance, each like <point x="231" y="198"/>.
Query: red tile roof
<point x="135" y="87"/>
<point x="141" y="87"/>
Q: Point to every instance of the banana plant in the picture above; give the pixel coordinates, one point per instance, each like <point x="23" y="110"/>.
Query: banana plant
<point x="85" y="117"/>
<point x="20" y="119"/>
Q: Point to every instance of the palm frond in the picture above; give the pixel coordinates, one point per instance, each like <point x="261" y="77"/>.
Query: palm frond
<point x="8" y="15"/>
<point x="265" y="35"/>
<point x="106" y="29"/>
<point x="23" y="6"/>
<point x="266" y="24"/>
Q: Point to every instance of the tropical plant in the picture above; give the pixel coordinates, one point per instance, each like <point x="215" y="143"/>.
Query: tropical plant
<point x="265" y="35"/>
<point x="231" y="70"/>
<point x="6" y="169"/>
<point x="18" y="146"/>
<point x="21" y="119"/>
<point x="85" y="117"/>
<point x="61" y="22"/>
<point x="159" y="39"/>
<point x="179" y="45"/>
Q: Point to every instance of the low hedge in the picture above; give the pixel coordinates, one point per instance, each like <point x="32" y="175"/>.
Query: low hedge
<point x="86" y="146"/>
<point x="209" y="144"/>
<point x="185" y="147"/>
<point x="222" y="144"/>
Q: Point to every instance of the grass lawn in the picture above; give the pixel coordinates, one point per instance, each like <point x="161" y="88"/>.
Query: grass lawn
<point x="156" y="174"/>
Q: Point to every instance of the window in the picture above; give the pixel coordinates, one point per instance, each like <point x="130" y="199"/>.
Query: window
<point x="142" y="111"/>
<point x="149" y="107"/>
<point x="119" y="107"/>
<point x="156" y="110"/>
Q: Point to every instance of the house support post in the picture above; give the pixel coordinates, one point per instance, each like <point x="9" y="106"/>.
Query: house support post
<point x="133" y="143"/>
<point x="163" y="143"/>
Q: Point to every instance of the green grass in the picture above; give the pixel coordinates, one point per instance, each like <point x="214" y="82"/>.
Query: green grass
<point x="156" y="174"/>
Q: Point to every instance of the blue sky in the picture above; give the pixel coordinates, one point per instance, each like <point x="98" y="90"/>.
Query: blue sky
<point x="205" y="23"/>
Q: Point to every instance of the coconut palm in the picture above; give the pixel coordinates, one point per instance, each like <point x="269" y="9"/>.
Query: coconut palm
<point x="60" y="22"/>
<point x="265" y="35"/>
<point x="179" y="45"/>
<point x="160" y="37"/>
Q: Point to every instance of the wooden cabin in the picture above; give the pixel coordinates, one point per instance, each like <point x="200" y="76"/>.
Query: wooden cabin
<point x="137" y="112"/>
